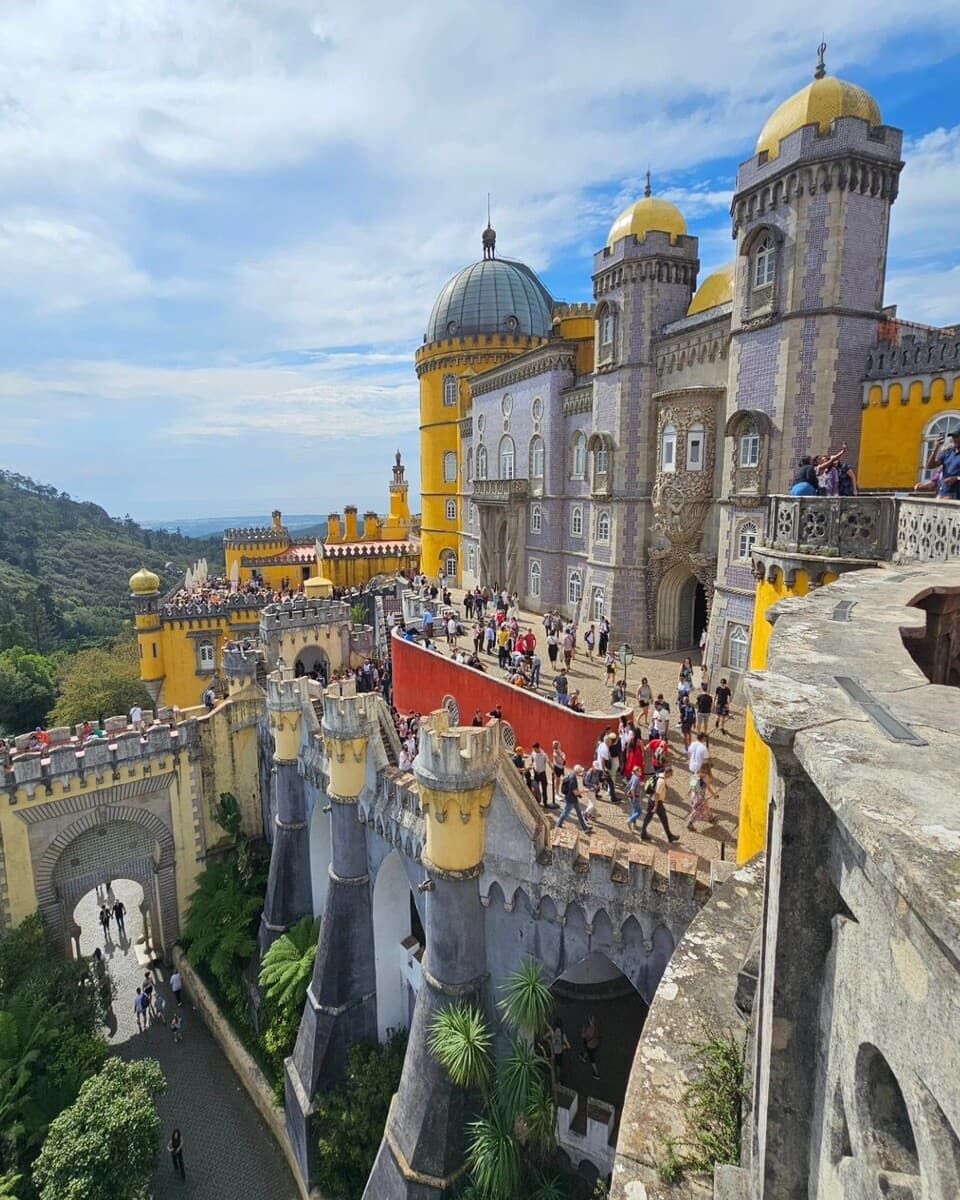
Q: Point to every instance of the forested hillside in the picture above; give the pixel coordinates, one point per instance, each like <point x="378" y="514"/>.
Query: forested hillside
<point x="64" y="566"/>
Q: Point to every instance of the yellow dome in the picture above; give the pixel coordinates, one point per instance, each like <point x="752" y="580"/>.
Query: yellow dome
<point x="144" y="582"/>
<point x="715" y="289"/>
<point x="818" y="103"/>
<point x="650" y="213"/>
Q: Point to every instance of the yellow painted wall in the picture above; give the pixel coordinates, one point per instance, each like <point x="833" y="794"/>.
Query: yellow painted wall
<point x="892" y="431"/>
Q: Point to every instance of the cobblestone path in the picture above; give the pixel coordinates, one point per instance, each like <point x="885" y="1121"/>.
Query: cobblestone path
<point x="228" y="1151"/>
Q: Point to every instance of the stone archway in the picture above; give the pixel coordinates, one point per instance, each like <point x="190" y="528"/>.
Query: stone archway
<point x="681" y="609"/>
<point x="398" y="945"/>
<point x="310" y="658"/>
<point x="111" y="843"/>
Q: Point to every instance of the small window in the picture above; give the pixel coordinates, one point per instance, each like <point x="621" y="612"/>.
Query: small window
<point x="451" y="510"/>
<point x="536" y="519"/>
<point x="448" y="564"/>
<point x="208" y="656"/>
<point x="749" y="455"/>
<point x="946" y="425"/>
<point x="450" y="391"/>
<point x="603" y="527"/>
<point x="472" y="559"/>
<point x="506" y="404"/>
<point x="576" y="520"/>
<point x="602" y="461"/>
<point x="481" y="462"/>
<point x="507" y="458"/>
<point x="738" y="647"/>
<point x="765" y="262"/>
<point x="746" y="540"/>
<point x="536" y="458"/>
<point x="596" y="606"/>
<point x="695" y="441"/>
<point x="574" y="587"/>
<point x="668" y="448"/>
<point x="153" y="647"/>
<point x="535" y="574"/>
<point x="537" y="408"/>
<point x="450" y="467"/>
<point x="607" y="326"/>
<point x="579" y="455"/>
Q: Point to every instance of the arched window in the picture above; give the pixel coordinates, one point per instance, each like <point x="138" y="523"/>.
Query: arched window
<point x="747" y="536"/>
<point x="601" y="462"/>
<point x="468" y="466"/>
<point x="574" y="587"/>
<point x="536" y="458"/>
<point x="946" y="425"/>
<point x="749" y="449"/>
<point x="481" y="462"/>
<point x="596" y="607"/>
<point x="450" y="391"/>
<point x="607" y="321"/>
<point x="451" y="510"/>
<point x="695" y="448"/>
<point x="603" y="527"/>
<point x="507" y="458"/>
<point x="448" y="564"/>
<point x="450" y="466"/>
<point x="668" y="448"/>
<point x="576" y="520"/>
<point x="536" y="519"/>
<point x="579" y="456"/>
<point x="535" y="575"/>
<point x="738" y="647"/>
<point x="765" y="262"/>
<point x="208" y="656"/>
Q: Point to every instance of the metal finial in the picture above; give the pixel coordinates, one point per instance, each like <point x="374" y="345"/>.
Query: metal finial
<point x="821" y="68"/>
<point x="648" y="190"/>
<point x="489" y="236"/>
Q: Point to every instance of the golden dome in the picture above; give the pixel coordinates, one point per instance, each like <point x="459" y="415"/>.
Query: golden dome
<point x="646" y="215"/>
<point x="715" y="289"/>
<point x="818" y="103"/>
<point x="144" y="583"/>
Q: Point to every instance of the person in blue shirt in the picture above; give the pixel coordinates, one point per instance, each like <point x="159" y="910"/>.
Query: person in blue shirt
<point x="946" y="456"/>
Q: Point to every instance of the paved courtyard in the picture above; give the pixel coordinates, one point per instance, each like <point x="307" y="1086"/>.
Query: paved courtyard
<point x="228" y="1151"/>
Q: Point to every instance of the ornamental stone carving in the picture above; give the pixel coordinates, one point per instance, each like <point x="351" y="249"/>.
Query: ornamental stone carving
<point x="681" y="498"/>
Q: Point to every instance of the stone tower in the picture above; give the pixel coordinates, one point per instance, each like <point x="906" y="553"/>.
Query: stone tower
<point x="145" y="593"/>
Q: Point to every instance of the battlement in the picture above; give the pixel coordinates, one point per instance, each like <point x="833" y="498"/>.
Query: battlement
<point x="292" y="614"/>
<point x="240" y="660"/>
<point x="225" y="606"/>
<point x="348" y="717"/>
<point x="459" y="758"/>
<point x="479" y="342"/>
<point x="286" y="695"/>
<point x="256" y="535"/>
<point x="583" y="308"/>
<point x="915" y="355"/>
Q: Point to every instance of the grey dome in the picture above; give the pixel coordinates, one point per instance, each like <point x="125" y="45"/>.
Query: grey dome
<point x="496" y="295"/>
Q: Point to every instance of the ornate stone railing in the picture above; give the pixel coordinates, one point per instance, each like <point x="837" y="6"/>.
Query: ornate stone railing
<point x="499" y="491"/>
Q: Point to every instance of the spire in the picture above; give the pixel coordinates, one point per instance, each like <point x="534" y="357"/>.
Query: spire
<point x="648" y="190"/>
<point x="489" y="236"/>
<point x="821" y="67"/>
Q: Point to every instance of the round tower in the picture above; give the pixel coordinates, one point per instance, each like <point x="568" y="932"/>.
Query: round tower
<point x="145" y="593"/>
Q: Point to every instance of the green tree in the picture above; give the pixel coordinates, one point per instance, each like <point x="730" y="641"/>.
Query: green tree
<point x="27" y="689"/>
<point x="99" y="683"/>
<point x="106" y="1144"/>
<point x="351" y="1118"/>
<point x="287" y="966"/>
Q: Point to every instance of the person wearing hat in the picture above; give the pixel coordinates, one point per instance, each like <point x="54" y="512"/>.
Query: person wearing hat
<point x="570" y="788"/>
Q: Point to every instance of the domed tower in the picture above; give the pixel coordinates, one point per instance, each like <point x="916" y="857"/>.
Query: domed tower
<point x="145" y="593"/>
<point x="488" y="312"/>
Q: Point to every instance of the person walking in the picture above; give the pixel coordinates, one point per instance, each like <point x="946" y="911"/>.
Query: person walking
<point x="559" y="768"/>
<point x="570" y="790"/>
<point x="722" y="698"/>
<point x="704" y="708"/>
<point x="644" y="700"/>
<point x="590" y="640"/>
<point x="175" y="1027"/>
<point x="138" y="1011"/>
<point x="558" y="1044"/>
<point x="590" y="1040"/>
<point x="119" y="915"/>
<point x="655" y="790"/>
<point x="105" y="923"/>
<point x="635" y="796"/>
<point x="175" y="1146"/>
<point x="538" y="771"/>
<point x="176" y="986"/>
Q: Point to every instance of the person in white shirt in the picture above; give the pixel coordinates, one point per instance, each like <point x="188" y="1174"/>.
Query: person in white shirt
<point x="661" y="721"/>
<point x="136" y="716"/>
<point x="698" y="752"/>
<point x="538" y="769"/>
<point x="601" y="764"/>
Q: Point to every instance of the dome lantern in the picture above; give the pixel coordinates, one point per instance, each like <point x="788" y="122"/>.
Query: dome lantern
<point x="144" y="583"/>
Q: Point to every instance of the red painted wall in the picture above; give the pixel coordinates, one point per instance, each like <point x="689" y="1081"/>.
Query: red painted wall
<point x="421" y="679"/>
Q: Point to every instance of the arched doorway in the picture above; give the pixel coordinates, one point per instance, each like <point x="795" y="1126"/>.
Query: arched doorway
<point x="399" y="941"/>
<point x="310" y="659"/>
<point x="681" y="609"/>
<point x="89" y="933"/>
<point x="321" y="856"/>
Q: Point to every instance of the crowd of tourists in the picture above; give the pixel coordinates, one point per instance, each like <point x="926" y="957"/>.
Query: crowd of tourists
<point x="825" y="475"/>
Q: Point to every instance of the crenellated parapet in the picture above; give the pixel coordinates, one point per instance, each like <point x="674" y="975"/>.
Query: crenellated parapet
<point x="285" y="702"/>
<point x="347" y="726"/>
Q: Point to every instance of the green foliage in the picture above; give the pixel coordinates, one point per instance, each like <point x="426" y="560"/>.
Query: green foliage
<point x="27" y="689"/>
<point x="100" y="683"/>
<point x="460" y="1040"/>
<point x="9" y="1185"/>
<point x="229" y="815"/>
<point x="358" y="614"/>
<point x="287" y="966"/>
<point x="106" y="1144"/>
<point x="351" y="1118"/>
<point x="494" y="1156"/>
<point x="527" y="1002"/>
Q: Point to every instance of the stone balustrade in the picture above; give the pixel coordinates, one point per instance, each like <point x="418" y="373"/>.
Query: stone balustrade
<point x="499" y="491"/>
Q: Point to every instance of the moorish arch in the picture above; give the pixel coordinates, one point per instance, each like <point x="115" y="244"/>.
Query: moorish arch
<point x="110" y="842"/>
<point x="681" y="609"/>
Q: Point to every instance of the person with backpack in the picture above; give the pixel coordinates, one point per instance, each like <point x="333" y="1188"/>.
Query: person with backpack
<point x="658" y="748"/>
<point x="570" y="790"/>
<point x="655" y="791"/>
<point x="688" y="718"/>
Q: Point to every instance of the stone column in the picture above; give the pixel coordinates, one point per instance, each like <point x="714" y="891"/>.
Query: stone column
<point x="341" y="1005"/>
<point x="289" y="895"/>
<point x="422" y="1153"/>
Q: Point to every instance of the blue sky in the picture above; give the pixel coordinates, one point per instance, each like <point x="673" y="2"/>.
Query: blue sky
<point x="223" y="225"/>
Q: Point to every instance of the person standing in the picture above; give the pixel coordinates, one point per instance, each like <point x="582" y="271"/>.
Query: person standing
<point x="604" y="640"/>
<point x="590" y="1040"/>
<point x="570" y="789"/>
<point x="136" y="717"/>
<point x="635" y="796"/>
<point x="568" y="647"/>
<point x="119" y="915"/>
<point x="590" y="640"/>
<point x="688" y="718"/>
<point x="704" y="708"/>
<point x="558" y="1044"/>
<point x="561" y="687"/>
<point x="175" y="1146"/>
<point x="138" y="1011"/>
<point x="603" y="766"/>
<point x="538" y="770"/>
<point x="175" y="1024"/>
<point x="655" y="790"/>
<point x="559" y="767"/>
<point x="159" y="1004"/>
<point x="722" y="698"/>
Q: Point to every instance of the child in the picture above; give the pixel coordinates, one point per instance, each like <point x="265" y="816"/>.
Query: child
<point x="175" y="1027"/>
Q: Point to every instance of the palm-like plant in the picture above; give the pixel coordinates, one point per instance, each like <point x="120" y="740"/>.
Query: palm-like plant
<point x="494" y="1156"/>
<point x="527" y="1001"/>
<point x="460" y="1040"/>
<point x="9" y="1186"/>
<point x="287" y="966"/>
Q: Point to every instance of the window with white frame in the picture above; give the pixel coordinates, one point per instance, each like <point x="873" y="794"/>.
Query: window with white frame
<point x="596" y="605"/>
<point x="208" y="656"/>
<point x="448" y="564"/>
<point x="574" y="587"/>
<point x="765" y="262"/>
<point x="450" y="467"/>
<point x="481" y="472"/>
<point x="451" y="510"/>
<point x="579" y="458"/>
<point x="607" y="328"/>
<point x="668" y="448"/>
<point x="536" y="571"/>
<point x="536" y="458"/>
<point x="576" y="520"/>
<point x="507" y="458"/>
<point x="601" y="462"/>
<point x="747" y="535"/>
<point x="944" y="426"/>
<point x="749" y="452"/>
<point x="738" y="647"/>
<point x="536" y="519"/>
<point x="695" y="447"/>
<point x="472" y="559"/>
<point x="603" y="527"/>
<point x="450" y="391"/>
